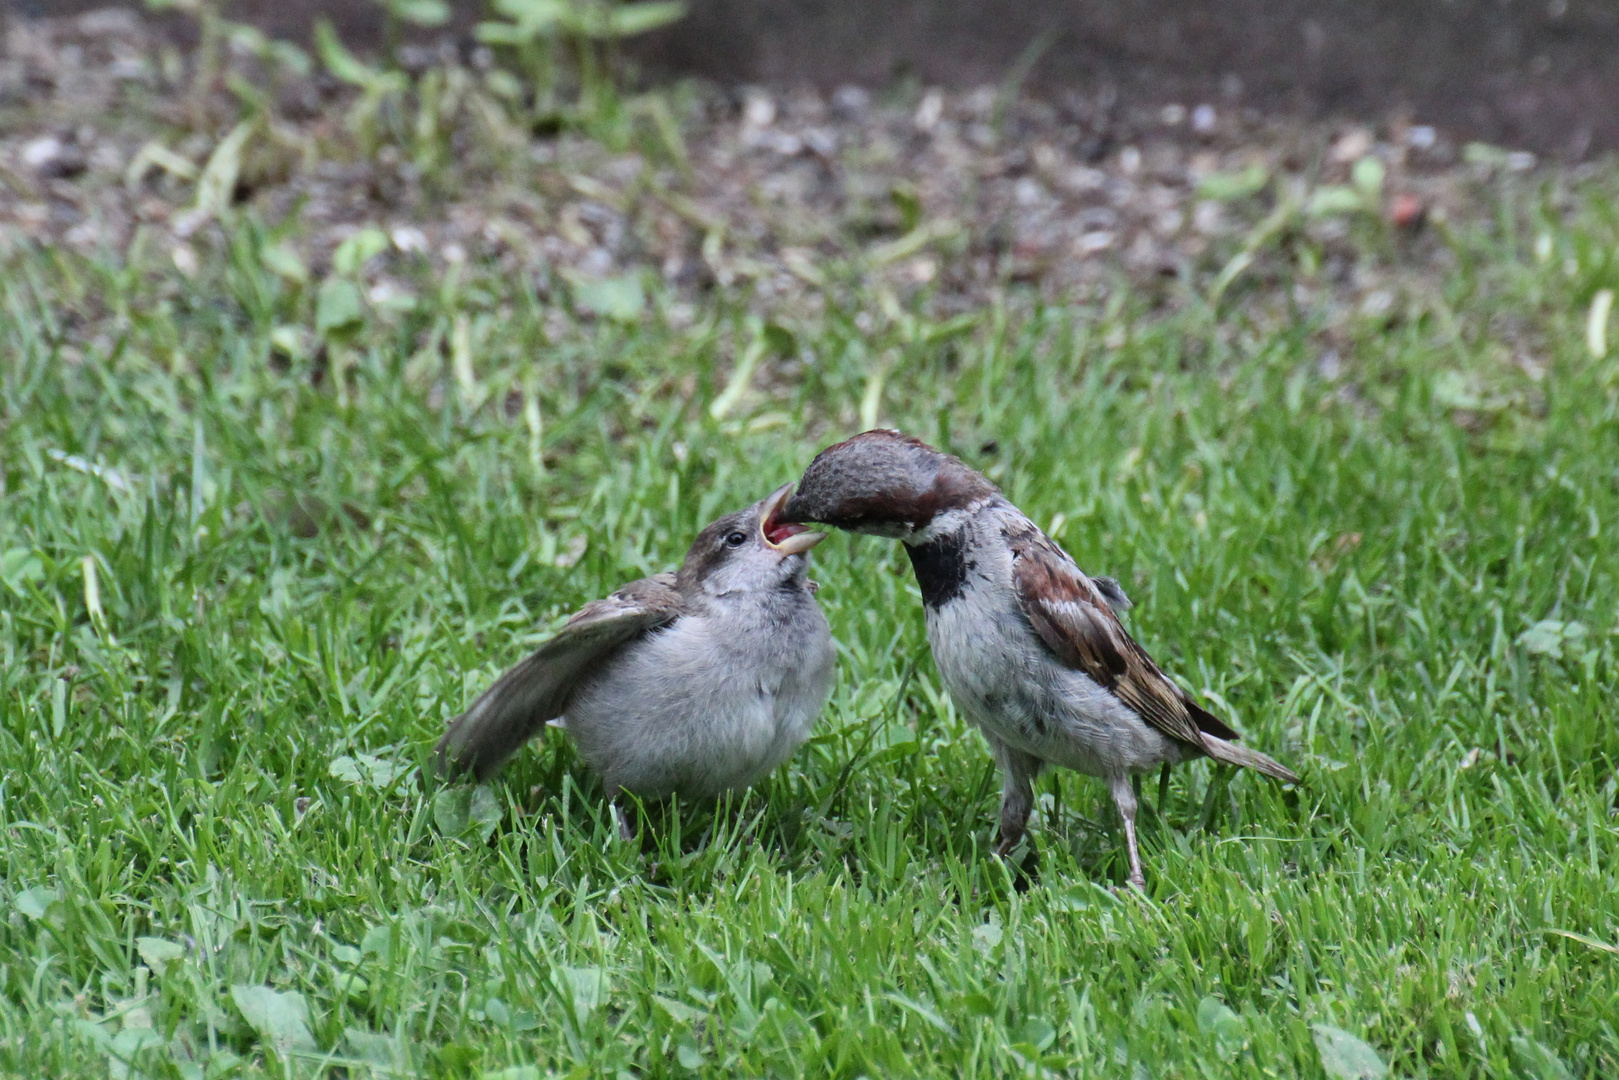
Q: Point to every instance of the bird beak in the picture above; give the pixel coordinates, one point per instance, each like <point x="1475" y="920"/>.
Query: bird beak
<point x="788" y="538"/>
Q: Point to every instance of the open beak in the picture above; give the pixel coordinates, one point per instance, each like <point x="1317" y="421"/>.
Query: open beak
<point x="787" y="538"/>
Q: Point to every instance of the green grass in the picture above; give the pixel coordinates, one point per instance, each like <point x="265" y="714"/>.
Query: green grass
<point x="272" y="574"/>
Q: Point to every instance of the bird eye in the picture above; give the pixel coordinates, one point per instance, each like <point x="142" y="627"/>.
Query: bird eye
<point x="736" y="539"/>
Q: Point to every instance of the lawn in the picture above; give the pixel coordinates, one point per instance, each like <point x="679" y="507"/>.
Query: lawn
<point x="244" y="581"/>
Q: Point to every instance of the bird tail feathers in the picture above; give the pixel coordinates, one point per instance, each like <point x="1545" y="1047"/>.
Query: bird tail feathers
<point x="1236" y="754"/>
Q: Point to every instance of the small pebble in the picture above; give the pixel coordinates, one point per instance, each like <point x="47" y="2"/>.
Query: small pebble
<point x="758" y="109"/>
<point x="1093" y="242"/>
<point x="50" y="157"/>
<point x="41" y="152"/>
<point x="850" y="102"/>
<point x="185" y="259"/>
<point x="409" y="239"/>
<point x="1406" y="211"/>
<point x="929" y="112"/>
<point x="1352" y="145"/>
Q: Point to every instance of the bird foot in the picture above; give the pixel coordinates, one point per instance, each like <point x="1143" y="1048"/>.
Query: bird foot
<point x="1025" y="871"/>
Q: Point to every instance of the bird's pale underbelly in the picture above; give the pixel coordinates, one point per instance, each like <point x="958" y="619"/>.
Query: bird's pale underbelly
<point x="1011" y="687"/>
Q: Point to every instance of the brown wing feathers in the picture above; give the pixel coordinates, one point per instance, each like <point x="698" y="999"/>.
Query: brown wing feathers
<point x="538" y="688"/>
<point x="1080" y="628"/>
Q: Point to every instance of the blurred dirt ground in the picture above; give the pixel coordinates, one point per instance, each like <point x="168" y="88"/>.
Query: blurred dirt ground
<point x="110" y="140"/>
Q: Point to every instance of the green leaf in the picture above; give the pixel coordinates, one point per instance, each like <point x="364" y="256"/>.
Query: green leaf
<point x="378" y="940"/>
<point x="1367" y="175"/>
<point x="367" y="769"/>
<point x="125" y="1046"/>
<point x="1346" y="1057"/>
<point x="1334" y="200"/>
<point x="621" y="299"/>
<point x="216" y="187"/>
<point x="533" y="14"/>
<point x="421" y="12"/>
<point x="909" y="205"/>
<point x="159" y="954"/>
<point x="1537" y="1060"/>
<point x="484" y="813"/>
<point x="631" y="19"/>
<point x="1454" y="390"/>
<point x="586" y="986"/>
<point x="1038" y="1033"/>
<point x="1230" y="186"/>
<point x="499" y="33"/>
<point x="357" y="250"/>
<point x="339" y="306"/>
<point x="34" y="902"/>
<point x="248" y="39"/>
<point x="99" y="1036"/>
<point x="1550" y="637"/>
<point x="293" y="341"/>
<point x="20" y="567"/>
<point x="342" y="64"/>
<point x="291" y="57"/>
<point x="1214" y="1018"/>
<point x="781" y="340"/>
<point x="378" y="1048"/>
<point x="741" y="376"/>
<point x="689" y="1054"/>
<point x="1545" y="638"/>
<point x="450" y="810"/>
<point x="679" y="1010"/>
<point x="344" y="767"/>
<point x="474" y="813"/>
<point x="281" y="1018"/>
<point x="284" y="262"/>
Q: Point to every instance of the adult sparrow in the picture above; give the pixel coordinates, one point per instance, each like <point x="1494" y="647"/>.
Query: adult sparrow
<point x="1030" y="647"/>
<point x="692" y="684"/>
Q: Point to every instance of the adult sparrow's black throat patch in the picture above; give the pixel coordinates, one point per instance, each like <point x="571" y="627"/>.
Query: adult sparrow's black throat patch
<point x="941" y="567"/>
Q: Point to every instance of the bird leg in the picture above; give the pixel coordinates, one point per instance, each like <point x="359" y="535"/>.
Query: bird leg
<point x="1018" y="771"/>
<point x="1124" y="797"/>
<point x="1163" y="791"/>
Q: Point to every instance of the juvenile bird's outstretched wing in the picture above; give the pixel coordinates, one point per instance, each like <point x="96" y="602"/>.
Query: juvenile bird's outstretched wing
<point x="507" y="715"/>
<point x="1077" y="622"/>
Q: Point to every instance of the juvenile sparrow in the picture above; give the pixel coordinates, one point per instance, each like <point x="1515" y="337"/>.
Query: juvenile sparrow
<point x="1029" y="646"/>
<point x="691" y="684"/>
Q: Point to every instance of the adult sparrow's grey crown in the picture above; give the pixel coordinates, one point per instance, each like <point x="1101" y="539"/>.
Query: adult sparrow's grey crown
<point x="693" y="683"/>
<point x="1029" y="646"/>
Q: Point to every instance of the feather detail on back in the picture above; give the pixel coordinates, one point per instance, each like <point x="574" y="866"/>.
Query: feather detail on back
<point x="1113" y="593"/>
<point x="1077" y="621"/>
<point x="537" y="689"/>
